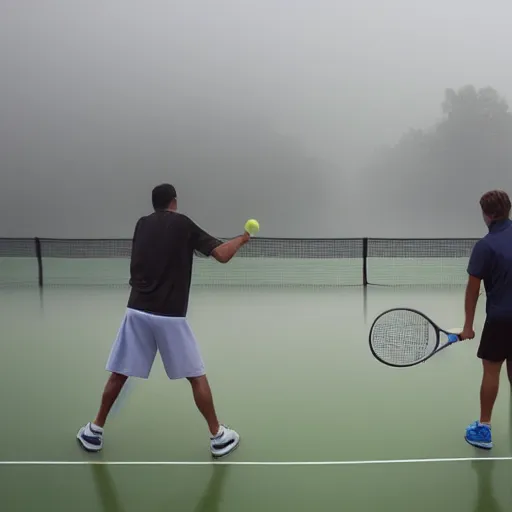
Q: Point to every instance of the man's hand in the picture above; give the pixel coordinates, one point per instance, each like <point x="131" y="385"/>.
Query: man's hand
<point x="467" y="333"/>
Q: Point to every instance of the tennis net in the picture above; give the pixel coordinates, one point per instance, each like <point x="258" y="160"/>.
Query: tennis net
<point x="276" y="262"/>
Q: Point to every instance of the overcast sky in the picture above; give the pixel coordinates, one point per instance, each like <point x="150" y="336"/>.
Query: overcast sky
<point x="264" y="108"/>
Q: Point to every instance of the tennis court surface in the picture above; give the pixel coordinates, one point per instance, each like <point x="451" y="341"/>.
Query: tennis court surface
<point x="284" y="333"/>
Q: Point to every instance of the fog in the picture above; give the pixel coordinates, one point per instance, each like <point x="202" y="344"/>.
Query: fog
<point x="297" y="113"/>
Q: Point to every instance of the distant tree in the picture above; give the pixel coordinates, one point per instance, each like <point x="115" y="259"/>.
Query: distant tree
<point x="467" y="152"/>
<point x="484" y="103"/>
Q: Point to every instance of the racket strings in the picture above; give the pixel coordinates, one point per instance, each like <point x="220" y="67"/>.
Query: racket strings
<point x="403" y="338"/>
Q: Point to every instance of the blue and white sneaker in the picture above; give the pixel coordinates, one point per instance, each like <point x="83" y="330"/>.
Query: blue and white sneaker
<point x="224" y="442"/>
<point x="90" y="438"/>
<point x="479" y="435"/>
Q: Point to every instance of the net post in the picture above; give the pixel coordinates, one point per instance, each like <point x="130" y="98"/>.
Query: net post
<point x="39" y="257"/>
<point x="365" y="262"/>
<point x="365" y="279"/>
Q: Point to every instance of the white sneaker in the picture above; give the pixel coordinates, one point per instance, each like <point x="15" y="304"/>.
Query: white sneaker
<point x="224" y="442"/>
<point x="90" y="438"/>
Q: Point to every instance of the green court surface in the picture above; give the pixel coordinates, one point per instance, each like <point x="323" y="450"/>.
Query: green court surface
<point x="324" y="426"/>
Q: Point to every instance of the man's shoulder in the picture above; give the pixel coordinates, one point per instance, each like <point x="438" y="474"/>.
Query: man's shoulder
<point x="483" y="241"/>
<point x="495" y="239"/>
<point x="482" y="250"/>
<point x="179" y="218"/>
<point x="157" y="217"/>
<point x="182" y="217"/>
<point x="157" y="225"/>
<point x="504" y="234"/>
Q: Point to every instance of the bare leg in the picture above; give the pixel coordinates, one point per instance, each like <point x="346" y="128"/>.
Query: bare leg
<point x="112" y="389"/>
<point x="204" y="401"/>
<point x="509" y="371"/>
<point x="489" y="389"/>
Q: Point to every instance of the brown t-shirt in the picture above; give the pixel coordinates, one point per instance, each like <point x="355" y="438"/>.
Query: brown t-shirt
<point x="161" y="262"/>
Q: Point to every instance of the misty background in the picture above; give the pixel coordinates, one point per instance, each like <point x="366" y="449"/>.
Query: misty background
<point x="319" y="118"/>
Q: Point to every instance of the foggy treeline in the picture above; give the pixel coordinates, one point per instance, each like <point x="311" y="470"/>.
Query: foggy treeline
<point x="435" y="176"/>
<point x="320" y="119"/>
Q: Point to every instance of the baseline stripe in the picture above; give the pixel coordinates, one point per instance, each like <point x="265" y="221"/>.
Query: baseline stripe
<point x="248" y="463"/>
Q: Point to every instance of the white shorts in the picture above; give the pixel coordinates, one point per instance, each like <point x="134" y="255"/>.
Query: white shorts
<point x="142" y="334"/>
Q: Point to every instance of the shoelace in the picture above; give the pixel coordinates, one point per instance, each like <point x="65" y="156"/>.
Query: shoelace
<point x="481" y="430"/>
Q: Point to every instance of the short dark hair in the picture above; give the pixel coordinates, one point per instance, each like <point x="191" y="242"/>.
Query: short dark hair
<point x="496" y="204"/>
<point x="162" y="196"/>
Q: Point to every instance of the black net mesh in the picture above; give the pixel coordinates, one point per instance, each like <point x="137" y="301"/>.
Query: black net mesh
<point x="17" y="248"/>
<point x="420" y="261"/>
<point x="262" y="262"/>
<point x="18" y="261"/>
<point x="420" y="248"/>
<point x="107" y="248"/>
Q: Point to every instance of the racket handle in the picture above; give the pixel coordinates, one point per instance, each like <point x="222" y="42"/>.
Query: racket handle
<point x="452" y="338"/>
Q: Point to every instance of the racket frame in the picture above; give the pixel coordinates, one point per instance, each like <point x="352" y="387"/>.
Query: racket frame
<point x="438" y="330"/>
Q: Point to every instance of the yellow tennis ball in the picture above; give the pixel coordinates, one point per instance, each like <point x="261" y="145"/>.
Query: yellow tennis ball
<point x="252" y="226"/>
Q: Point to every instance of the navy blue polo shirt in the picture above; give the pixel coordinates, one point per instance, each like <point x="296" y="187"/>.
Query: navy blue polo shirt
<point x="491" y="261"/>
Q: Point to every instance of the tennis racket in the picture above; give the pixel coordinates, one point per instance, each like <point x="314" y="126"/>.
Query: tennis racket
<point x="405" y="337"/>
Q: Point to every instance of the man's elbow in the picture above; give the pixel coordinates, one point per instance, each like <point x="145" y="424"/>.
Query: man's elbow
<point x="220" y="256"/>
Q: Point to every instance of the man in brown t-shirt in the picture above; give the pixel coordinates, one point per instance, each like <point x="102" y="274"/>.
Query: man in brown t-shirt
<point x="164" y="244"/>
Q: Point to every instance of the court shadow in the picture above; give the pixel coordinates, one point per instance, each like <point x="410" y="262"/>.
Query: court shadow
<point x="211" y="499"/>
<point x="485" y="501"/>
<point x="365" y="305"/>
<point x="106" y="488"/>
<point x="41" y="300"/>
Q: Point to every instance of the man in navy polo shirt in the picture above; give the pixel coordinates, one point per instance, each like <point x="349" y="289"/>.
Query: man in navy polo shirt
<point x="491" y="261"/>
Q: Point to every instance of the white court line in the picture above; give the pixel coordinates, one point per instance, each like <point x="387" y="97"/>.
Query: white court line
<point x="245" y="463"/>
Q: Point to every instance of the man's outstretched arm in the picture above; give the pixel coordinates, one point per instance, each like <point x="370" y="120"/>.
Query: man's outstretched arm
<point x="224" y="252"/>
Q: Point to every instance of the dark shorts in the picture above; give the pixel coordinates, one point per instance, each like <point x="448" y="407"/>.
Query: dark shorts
<point x="496" y="340"/>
